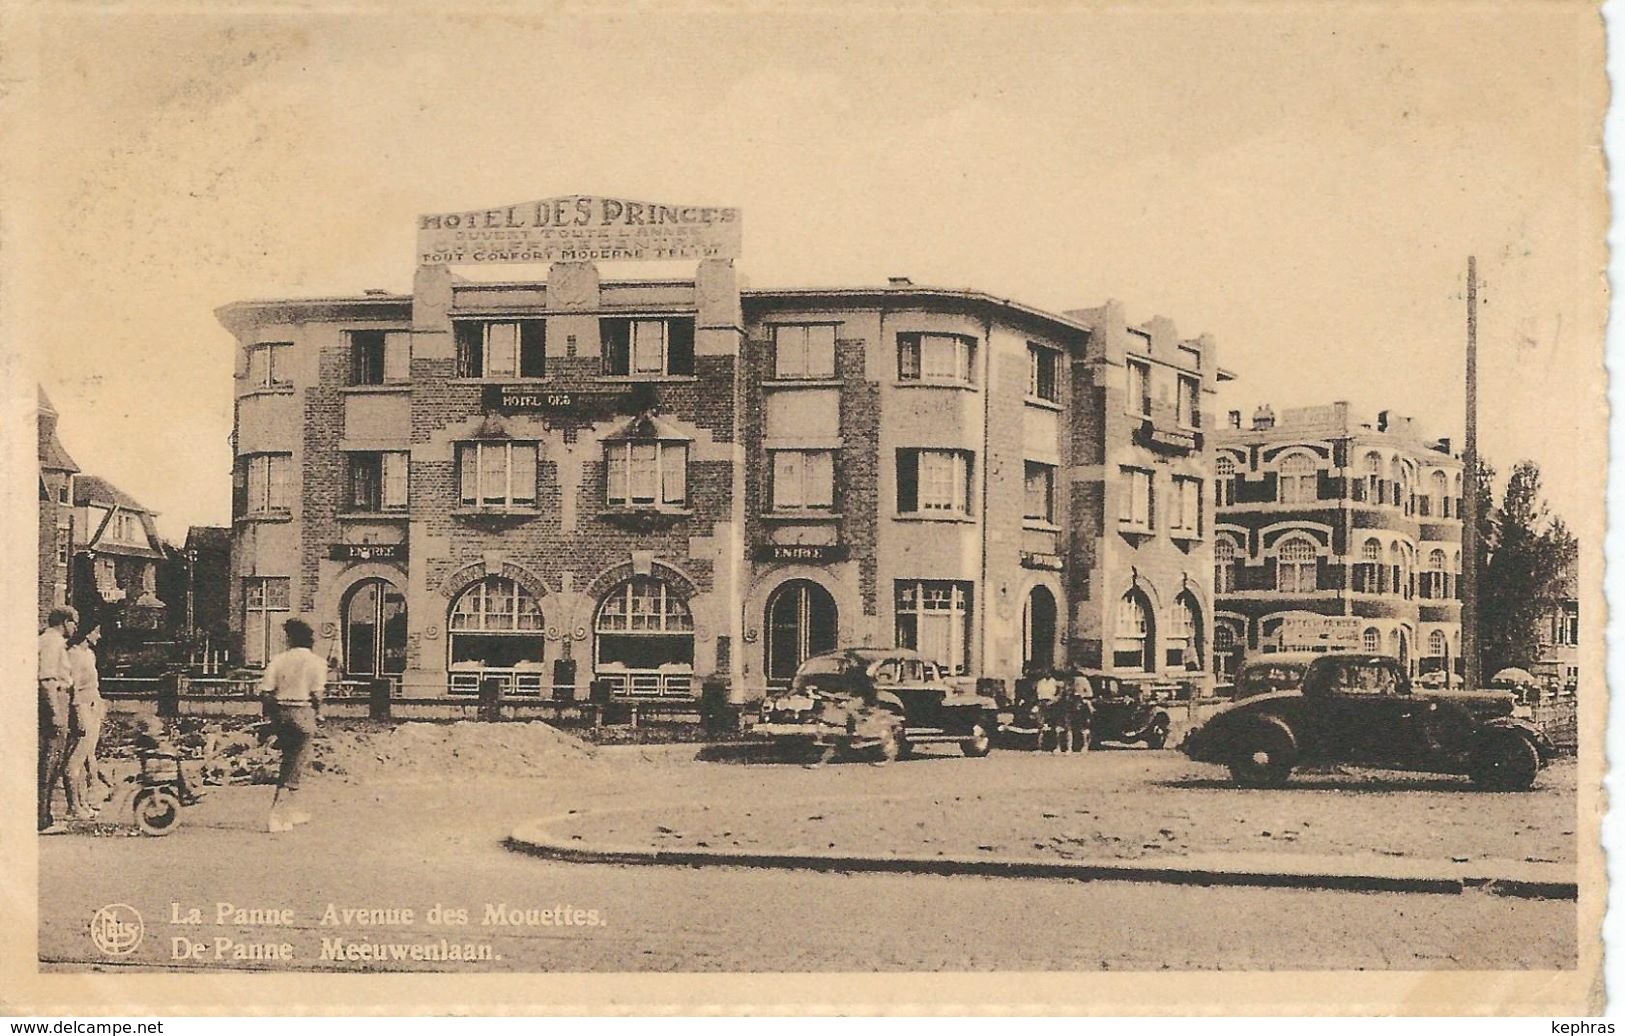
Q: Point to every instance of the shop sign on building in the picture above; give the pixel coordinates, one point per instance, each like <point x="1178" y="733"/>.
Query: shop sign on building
<point x="587" y="405"/>
<point x="817" y="553"/>
<point x="367" y="551"/>
<point x="578" y="228"/>
<point x="1039" y="559"/>
<point x="1321" y="633"/>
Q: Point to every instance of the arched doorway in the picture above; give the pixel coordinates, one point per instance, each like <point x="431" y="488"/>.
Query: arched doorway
<point x="802" y="621"/>
<point x="644" y="640"/>
<point x="1038" y="631"/>
<point x="1185" y="635"/>
<point x="374" y="614"/>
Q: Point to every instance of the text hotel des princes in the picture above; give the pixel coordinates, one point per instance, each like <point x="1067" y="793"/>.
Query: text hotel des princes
<point x="637" y="488"/>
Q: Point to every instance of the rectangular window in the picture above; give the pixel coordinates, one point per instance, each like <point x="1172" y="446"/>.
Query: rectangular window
<point x="501" y="348"/>
<point x="379" y="357"/>
<point x="265" y="604"/>
<point x="270" y="476"/>
<point x="1190" y="409"/>
<point x="1040" y="492"/>
<point x="646" y="474"/>
<point x="933" y="482"/>
<point x="496" y="474"/>
<point x="803" y="479"/>
<point x="1139" y="388"/>
<point x="934" y="618"/>
<point x="264" y="365"/>
<point x="1138" y="509"/>
<point x="1043" y="368"/>
<point x="647" y="347"/>
<point x="804" y="351"/>
<point x="934" y="357"/>
<point x="1185" y="519"/>
<point x="378" y="481"/>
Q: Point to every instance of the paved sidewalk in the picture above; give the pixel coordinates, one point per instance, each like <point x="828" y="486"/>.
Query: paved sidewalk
<point x="1149" y="816"/>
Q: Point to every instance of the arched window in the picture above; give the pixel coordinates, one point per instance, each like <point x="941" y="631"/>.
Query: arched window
<point x="1439" y="495"/>
<point x="1436" y="643"/>
<point x="1224" y="480"/>
<point x="495" y="623"/>
<point x="1224" y="565"/>
<point x="1134" y="647"/>
<point x="1295" y="567"/>
<point x="1371" y="468"/>
<point x="1184" y="640"/>
<point x="1371" y="639"/>
<point x="1407" y="570"/>
<point x="1368" y="572"/>
<point x="1436" y="579"/>
<point x="644" y="643"/>
<point x="1296" y="479"/>
<point x="1395" y="567"/>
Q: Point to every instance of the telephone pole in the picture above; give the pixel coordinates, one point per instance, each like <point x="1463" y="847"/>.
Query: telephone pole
<point x="1470" y="546"/>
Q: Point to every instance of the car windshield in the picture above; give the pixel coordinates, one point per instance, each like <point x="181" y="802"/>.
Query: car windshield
<point x="822" y="665"/>
<point x="1264" y="678"/>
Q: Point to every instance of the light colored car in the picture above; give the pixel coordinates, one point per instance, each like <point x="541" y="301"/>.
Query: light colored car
<point x="884" y="701"/>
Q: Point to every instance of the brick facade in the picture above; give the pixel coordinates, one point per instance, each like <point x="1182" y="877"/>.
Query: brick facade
<point x="739" y="576"/>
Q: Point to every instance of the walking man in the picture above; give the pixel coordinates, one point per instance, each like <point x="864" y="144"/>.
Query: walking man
<point x="294" y="681"/>
<point x="55" y="683"/>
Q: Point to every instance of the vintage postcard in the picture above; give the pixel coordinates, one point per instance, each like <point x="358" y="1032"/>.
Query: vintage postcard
<point x="934" y="507"/>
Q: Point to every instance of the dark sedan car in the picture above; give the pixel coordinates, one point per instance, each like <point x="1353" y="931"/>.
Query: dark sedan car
<point x="1361" y="709"/>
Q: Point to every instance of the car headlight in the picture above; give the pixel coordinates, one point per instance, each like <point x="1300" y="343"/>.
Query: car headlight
<point x="1522" y="712"/>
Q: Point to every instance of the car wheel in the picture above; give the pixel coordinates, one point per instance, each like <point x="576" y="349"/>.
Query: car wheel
<point x="978" y="744"/>
<point x="156" y="811"/>
<point x="1505" y="763"/>
<point x="1157" y="736"/>
<point x="1262" y="759"/>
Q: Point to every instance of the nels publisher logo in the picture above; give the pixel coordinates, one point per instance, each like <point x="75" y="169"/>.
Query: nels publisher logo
<point x="116" y="929"/>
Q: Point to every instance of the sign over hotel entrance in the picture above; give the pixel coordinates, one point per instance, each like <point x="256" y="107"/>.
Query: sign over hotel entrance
<point x="578" y="228"/>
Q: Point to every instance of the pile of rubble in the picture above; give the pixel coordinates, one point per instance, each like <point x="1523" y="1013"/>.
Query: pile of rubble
<point x="241" y="750"/>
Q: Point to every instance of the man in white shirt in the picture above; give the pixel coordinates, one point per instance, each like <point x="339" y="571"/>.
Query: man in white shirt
<point x="55" y="682"/>
<point x="294" y="680"/>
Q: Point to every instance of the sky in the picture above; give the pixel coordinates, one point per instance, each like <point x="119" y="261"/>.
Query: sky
<point x="1305" y="183"/>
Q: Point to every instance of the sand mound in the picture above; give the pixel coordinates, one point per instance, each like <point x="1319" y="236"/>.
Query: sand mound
<point x="241" y="753"/>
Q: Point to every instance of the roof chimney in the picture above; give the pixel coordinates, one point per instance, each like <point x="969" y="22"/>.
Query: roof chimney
<point x="899" y="282"/>
<point x="1263" y="417"/>
<point x="1382" y="420"/>
<point x="1234" y="418"/>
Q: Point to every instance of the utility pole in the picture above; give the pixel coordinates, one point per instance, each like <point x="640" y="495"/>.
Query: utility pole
<point x="1470" y="547"/>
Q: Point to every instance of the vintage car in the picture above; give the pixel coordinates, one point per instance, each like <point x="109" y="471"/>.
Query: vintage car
<point x="1272" y="671"/>
<point x="1361" y="709"/>
<point x="1126" y="712"/>
<point x="877" y="701"/>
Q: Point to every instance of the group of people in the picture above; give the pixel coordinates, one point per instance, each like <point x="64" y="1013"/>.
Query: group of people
<point x="1064" y="712"/>
<point x="71" y="711"/>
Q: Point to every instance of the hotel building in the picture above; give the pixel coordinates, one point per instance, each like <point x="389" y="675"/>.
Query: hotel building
<point x="635" y="486"/>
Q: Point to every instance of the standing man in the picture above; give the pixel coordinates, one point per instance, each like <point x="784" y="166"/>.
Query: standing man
<point x="294" y="680"/>
<point x="86" y="713"/>
<point x="55" y="683"/>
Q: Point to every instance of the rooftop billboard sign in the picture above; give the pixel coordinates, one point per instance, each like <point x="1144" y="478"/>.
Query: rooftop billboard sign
<point x="578" y="228"/>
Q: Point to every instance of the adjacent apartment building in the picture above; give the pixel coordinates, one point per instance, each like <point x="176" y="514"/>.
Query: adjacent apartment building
<point x="636" y="486"/>
<point x="1331" y="532"/>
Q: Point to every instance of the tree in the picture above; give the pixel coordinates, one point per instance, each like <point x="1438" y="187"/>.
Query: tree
<point x="1525" y="553"/>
